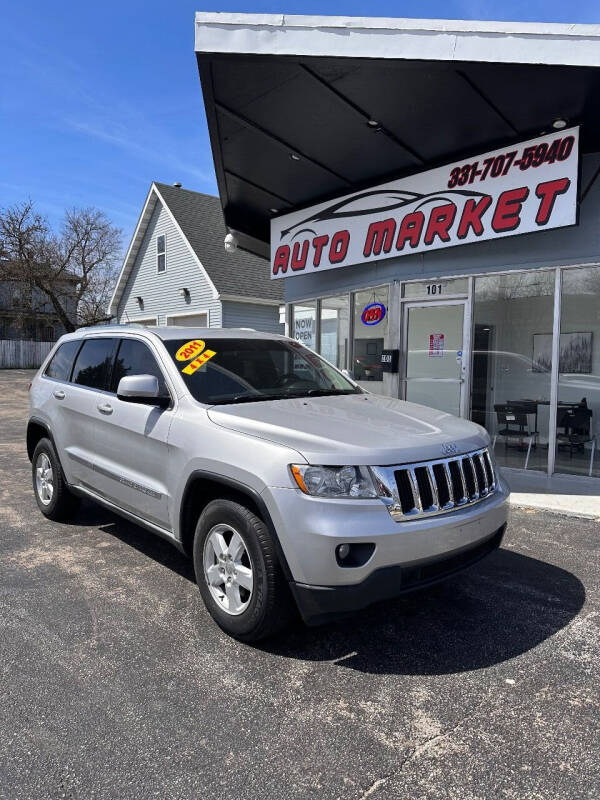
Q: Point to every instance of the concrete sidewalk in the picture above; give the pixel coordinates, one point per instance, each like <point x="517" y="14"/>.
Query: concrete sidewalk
<point x="572" y="495"/>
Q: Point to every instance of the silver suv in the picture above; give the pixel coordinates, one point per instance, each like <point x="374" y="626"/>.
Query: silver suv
<point x="290" y="486"/>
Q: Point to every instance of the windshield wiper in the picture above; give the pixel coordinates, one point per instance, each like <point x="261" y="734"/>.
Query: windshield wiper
<point x="326" y="392"/>
<point x="257" y="398"/>
<point x="254" y="398"/>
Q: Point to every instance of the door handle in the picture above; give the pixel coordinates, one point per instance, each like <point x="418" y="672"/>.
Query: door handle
<point x="59" y="394"/>
<point x="105" y="408"/>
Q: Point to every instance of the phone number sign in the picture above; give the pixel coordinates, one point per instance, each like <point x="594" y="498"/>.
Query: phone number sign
<point x="524" y="188"/>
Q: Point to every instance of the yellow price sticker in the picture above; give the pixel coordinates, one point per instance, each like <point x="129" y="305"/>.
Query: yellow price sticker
<point x="194" y="365"/>
<point x="190" y="350"/>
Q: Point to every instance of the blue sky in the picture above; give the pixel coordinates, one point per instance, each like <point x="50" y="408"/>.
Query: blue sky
<point x="99" y="99"/>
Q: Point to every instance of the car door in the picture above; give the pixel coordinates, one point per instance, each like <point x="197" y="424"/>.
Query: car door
<point x="132" y="461"/>
<point x="75" y="409"/>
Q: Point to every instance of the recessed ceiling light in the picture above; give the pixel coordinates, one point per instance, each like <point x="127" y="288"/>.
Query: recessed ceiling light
<point x="559" y="123"/>
<point x="274" y="210"/>
<point x="372" y="123"/>
<point x="294" y="156"/>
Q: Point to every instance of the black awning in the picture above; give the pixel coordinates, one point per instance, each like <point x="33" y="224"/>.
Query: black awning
<point x="289" y="131"/>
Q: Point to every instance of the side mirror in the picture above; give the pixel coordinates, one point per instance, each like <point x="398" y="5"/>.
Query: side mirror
<point x="141" y="389"/>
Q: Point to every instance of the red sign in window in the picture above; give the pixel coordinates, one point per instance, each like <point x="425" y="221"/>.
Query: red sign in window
<point x="373" y="314"/>
<point x="436" y="345"/>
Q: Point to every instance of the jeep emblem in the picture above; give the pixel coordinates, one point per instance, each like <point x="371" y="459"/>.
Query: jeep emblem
<point x="449" y="449"/>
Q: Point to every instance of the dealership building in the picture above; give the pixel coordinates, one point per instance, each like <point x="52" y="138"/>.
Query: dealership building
<point x="429" y="193"/>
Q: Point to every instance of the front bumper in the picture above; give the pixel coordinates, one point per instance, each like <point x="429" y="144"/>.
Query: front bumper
<point x="310" y="529"/>
<point x="318" y="604"/>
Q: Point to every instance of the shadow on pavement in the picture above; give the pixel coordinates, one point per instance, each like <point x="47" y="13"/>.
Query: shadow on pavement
<point x="501" y="607"/>
<point x="145" y="542"/>
<point x="497" y="609"/>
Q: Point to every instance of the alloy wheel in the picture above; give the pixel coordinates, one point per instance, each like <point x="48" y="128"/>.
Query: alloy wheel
<point x="44" y="479"/>
<point x="228" y="569"/>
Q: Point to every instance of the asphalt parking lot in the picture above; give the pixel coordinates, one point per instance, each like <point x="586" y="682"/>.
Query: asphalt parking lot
<point x="116" y="684"/>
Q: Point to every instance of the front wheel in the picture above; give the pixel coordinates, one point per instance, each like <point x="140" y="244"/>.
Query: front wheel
<point x="52" y="494"/>
<point x="238" y="573"/>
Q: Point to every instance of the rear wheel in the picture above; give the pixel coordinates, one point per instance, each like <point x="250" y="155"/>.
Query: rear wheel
<point x="52" y="494"/>
<point x="238" y="573"/>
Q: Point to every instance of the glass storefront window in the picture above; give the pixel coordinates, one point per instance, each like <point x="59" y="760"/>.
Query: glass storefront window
<point x="304" y="321"/>
<point x="578" y="410"/>
<point x="335" y="330"/>
<point x="512" y="364"/>
<point x="370" y="337"/>
<point x="510" y="370"/>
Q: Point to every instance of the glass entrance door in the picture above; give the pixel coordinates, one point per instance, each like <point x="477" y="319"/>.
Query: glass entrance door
<point x="434" y="336"/>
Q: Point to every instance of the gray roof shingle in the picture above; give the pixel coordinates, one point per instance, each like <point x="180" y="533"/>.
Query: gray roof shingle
<point x="200" y="217"/>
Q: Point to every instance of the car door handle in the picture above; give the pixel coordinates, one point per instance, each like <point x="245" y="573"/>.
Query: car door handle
<point x="105" y="408"/>
<point x="59" y="394"/>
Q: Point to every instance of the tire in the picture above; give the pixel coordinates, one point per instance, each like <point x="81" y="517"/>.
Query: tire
<point x="52" y="494"/>
<point x="246" y="614"/>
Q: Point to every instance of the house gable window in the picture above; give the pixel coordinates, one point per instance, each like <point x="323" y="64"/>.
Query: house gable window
<point x="161" y="253"/>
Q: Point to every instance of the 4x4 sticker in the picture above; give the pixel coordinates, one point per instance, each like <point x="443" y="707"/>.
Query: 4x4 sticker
<point x="198" y="362"/>
<point x="196" y="351"/>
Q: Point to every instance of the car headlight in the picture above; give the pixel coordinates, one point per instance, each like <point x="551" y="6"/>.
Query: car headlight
<point x="348" y="482"/>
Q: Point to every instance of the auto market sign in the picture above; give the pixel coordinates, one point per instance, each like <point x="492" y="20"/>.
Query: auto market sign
<point x="528" y="187"/>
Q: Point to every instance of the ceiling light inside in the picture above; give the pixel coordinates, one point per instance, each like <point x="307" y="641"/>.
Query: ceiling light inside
<point x="294" y="156"/>
<point x="559" y="123"/>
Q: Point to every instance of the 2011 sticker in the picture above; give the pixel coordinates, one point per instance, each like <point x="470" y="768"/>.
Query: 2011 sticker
<point x="190" y="350"/>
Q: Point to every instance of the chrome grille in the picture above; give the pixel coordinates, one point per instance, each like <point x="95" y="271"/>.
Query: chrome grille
<point x="436" y="487"/>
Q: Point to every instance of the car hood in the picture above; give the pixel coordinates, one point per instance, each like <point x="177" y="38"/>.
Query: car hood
<point x="353" y="429"/>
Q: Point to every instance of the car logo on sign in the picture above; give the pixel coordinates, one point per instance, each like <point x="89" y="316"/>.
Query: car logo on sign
<point x="449" y="449"/>
<point x="373" y="314"/>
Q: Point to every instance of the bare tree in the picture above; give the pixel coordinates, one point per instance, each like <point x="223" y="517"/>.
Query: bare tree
<point x="80" y="262"/>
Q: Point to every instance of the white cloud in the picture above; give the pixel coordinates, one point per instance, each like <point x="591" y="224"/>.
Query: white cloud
<point x="130" y="141"/>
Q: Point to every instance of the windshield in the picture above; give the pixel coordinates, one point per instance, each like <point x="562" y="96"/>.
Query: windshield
<point x="218" y="371"/>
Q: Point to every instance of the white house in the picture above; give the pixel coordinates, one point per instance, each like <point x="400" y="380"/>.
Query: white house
<point x="176" y="270"/>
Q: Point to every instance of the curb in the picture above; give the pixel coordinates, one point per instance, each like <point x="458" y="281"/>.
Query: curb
<point x="561" y="512"/>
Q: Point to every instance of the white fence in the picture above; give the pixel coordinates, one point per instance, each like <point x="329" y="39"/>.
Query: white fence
<point x="23" y="354"/>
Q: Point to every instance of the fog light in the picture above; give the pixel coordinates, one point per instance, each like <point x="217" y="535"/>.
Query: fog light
<point x="343" y="550"/>
<point x="354" y="555"/>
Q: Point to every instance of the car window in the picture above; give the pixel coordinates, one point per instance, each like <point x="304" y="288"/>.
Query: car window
<point x="61" y="362"/>
<point x="220" y="371"/>
<point x="94" y="363"/>
<point x="135" y="358"/>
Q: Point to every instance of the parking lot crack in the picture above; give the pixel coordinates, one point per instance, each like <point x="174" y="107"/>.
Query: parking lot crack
<point x="418" y="750"/>
<point x="374" y="786"/>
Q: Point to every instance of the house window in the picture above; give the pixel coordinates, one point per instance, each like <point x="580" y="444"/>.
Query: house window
<point x="161" y="253"/>
<point x="199" y="320"/>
